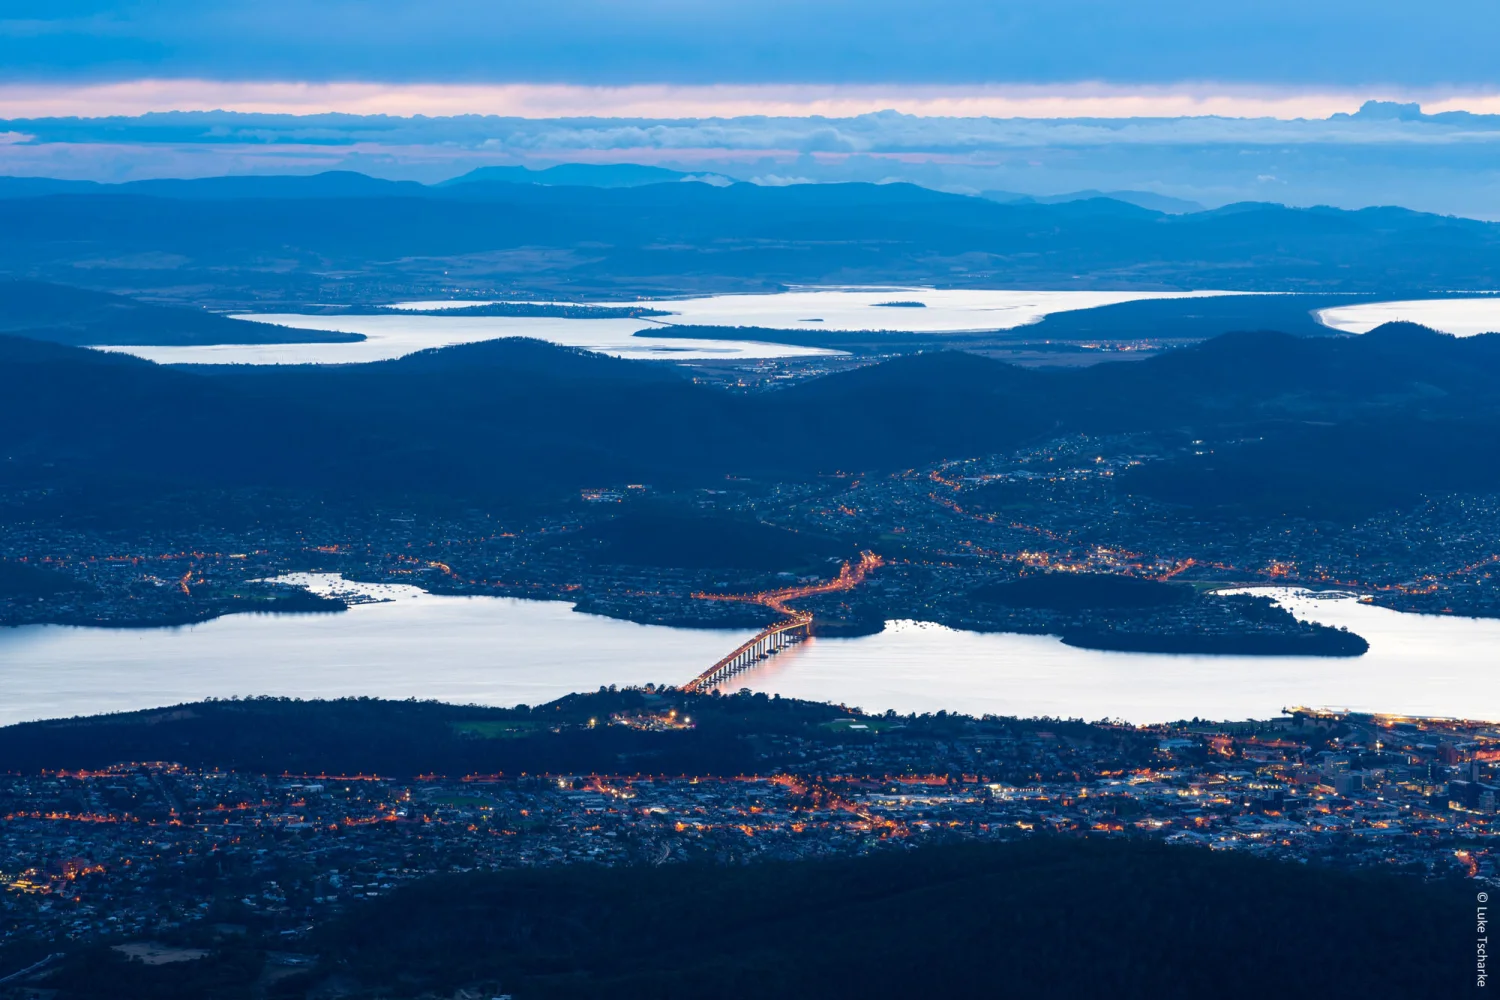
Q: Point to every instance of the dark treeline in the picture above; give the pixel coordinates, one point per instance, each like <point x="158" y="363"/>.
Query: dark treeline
<point x="19" y="579"/>
<point x="403" y="739"/>
<point x="1042" y="918"/>
<point x="1264" y="628"/>
<point x="839" y="340"/>
<point x="1189" y="318"/>
<point x="1083" y="592"/>
<point x="40" y="310"/>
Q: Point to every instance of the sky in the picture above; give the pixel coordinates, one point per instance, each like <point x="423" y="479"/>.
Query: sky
<point x="1268" y="54"/>
<point x="1210" y="102"/>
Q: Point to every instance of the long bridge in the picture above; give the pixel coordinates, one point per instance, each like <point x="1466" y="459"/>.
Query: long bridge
<point x="775" y="637"/>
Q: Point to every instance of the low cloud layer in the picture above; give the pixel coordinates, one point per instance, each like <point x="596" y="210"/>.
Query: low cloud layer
<point x="1094" y="99"/>
<point x="1385" y="154"/>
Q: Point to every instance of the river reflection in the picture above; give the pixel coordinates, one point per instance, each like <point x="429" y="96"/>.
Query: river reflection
<point x="1417" y="664"/>
<point x="481" y="650"/>
<point x="500" y="651"/>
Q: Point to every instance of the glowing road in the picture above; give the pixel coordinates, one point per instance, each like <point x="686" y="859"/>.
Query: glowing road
<point x="777" y="636"/>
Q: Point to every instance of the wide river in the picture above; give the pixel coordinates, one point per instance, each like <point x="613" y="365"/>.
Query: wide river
<point x="395" y="335"/>
<point x="501" y="651"/>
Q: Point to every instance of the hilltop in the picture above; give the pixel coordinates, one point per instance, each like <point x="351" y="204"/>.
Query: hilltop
<point x="1398" y="410"/>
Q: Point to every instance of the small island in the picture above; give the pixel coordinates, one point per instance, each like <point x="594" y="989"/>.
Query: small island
<point x="1133" y="615"/>
<point x="1311" y="640"/>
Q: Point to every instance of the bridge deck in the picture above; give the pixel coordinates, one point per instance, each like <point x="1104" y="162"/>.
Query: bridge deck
<point x="774" y="638"/>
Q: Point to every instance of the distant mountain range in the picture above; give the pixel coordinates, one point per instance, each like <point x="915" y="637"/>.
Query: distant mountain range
<point x="1384" y="154"/>
<point x="353" y="239"/>
<point x="605" y="175"/>
<point x="349" y="184"/>
<point x="1142" y="199"/>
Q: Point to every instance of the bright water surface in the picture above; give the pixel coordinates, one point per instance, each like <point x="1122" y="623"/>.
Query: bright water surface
<point x="944" y="311"/>
<point x="391" y="336"/>
<point x="948" y="310"/>
<point x="500" y="651"/>
<point x="1460" y="317"/>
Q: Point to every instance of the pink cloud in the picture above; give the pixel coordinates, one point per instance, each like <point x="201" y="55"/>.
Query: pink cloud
<point x="1083" y="99"/>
